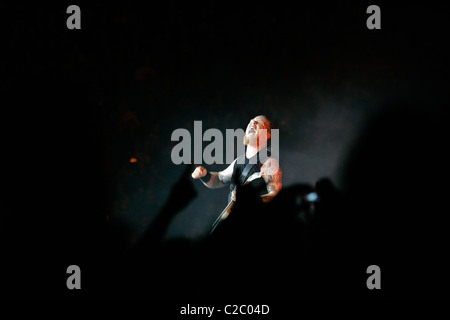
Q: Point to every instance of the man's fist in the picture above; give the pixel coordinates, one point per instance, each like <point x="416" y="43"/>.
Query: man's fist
<point x="199" y="172"/>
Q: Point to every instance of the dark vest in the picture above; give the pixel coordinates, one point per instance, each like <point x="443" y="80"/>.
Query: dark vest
<point x="239" y="177"/>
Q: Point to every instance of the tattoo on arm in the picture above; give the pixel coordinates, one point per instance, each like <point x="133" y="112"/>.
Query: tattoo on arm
<point x="273" y="182"/>
<point x="272" y="175"/>
<point x="217" y="180"/>
<point x="222" y="178"/>
<point x="271" y="188"/>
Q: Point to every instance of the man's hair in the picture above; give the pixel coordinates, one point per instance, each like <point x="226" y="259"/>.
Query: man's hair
<point x="267" y="123"/>
<point x="268" y="126"/>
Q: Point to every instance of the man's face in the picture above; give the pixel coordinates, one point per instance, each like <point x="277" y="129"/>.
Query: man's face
<point x="254" y="130"/>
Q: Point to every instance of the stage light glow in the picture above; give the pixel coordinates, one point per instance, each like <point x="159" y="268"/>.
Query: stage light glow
<point x="312" y="197"/>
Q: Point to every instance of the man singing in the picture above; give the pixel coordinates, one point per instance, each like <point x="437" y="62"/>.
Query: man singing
<point x="256" y="161"/>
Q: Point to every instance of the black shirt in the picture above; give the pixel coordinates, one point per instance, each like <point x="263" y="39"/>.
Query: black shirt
<point x="239" y="167"/>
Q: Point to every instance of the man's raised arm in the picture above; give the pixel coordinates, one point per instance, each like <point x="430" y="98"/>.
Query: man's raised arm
<point x="214" y="180"/>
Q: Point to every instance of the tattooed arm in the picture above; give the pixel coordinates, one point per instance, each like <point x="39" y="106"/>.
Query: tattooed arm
<point x="271" y="172"/>
<point x="216" y="179"/>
